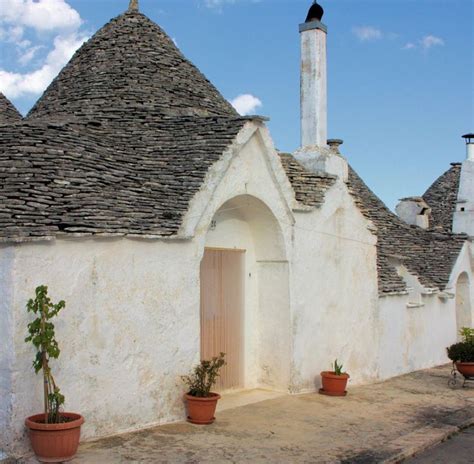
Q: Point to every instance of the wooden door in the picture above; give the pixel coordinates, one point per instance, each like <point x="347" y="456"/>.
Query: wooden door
<point x="222" y="312"/>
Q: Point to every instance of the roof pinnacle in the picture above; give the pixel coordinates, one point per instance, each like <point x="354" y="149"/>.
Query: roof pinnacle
<point x="133" y="5"/>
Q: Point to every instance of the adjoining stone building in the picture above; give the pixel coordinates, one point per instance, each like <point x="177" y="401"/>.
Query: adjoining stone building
<point x="174" y="229"/>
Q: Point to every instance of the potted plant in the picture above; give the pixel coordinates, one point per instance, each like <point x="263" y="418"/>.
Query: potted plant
<point x="334" y="382"/>
<point x="54" y="434"/>
<point x="462" y="353"/>
<point x="201" y="402"/>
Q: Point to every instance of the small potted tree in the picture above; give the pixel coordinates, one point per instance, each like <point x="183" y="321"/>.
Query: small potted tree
<point x="54" y="434"/>
<point x="201" y="402"/>
<point x="334" y="382"/>
<point x="462" y="353"/>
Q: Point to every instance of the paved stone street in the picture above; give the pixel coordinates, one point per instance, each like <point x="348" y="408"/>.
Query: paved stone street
<point x="384" y="422"/>
<point x="457" y="450"/>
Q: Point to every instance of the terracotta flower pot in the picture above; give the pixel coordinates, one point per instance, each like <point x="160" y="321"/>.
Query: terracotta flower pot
<point x="466" y="369"/>
<point x="201" y="410"/>
<point x="334" y="385"/>
<point x="55" y="442"/>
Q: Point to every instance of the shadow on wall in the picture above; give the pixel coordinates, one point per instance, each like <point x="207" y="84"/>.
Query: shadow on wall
<point x="463" y="303"/>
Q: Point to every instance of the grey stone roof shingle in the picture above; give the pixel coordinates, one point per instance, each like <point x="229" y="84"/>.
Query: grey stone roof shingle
<point x="8" y="112"/>
<point x="426" y="254"/>
<point x="442" y="197"/>
<point x="127" y="178"/>
<point x="130" y="65"/>
<point x="309" y="187"/>
<point x="118" y="144"/>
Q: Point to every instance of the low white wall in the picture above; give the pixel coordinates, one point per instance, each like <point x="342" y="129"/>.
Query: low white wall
<point x="129" y="331"/>
<point x="413" y="338"/>
<point x="7" y="354"/>
<point x="274" y="327"/>
<point x="415" y="329"/>
<point x="333" y="293"/>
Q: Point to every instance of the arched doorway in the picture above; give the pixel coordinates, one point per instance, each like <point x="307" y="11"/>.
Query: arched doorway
<point x="245" y="297"/>
<point x="463" y="302"/>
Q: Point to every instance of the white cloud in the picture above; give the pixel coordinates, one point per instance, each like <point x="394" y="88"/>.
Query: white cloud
<point x="35" y="82"/>
<point x="246" y="104"/>
<point x="29" y="54"/>
<point x="429" y="41"/>
<point x="40" y="21"/>
<point x="425" y="43"/>
<point x="217" y="4"/>
<point x="367" y="33"/>
<point x="15" y="33"/>
<point x="41" y="15"/>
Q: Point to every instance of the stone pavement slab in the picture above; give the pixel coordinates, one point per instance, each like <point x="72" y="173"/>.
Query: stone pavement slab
<point x="383" y="422"/>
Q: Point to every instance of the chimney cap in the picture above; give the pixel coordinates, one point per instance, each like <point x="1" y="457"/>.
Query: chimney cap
<point x="315" y="13"/>
<point x="469" y="138"/>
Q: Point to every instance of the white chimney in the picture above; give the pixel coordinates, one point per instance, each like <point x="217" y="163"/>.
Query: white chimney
<point x="463" y="220"/>
<point x="314" y="153"/>
<point x="414" y="211"/>
<point x="314" y="108"/>
<point x="469" y="146"/>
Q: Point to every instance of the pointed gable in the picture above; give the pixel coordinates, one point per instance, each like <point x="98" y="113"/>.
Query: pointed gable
<point x="130" y="66"/>
<point x="8" y="113"/>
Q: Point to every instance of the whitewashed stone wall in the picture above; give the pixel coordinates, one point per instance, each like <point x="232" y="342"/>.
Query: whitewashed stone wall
<point x="129" y="330"/>
<point x="334" y="293"/>
<point x="416" y="328"/>
<point x="7" y="353"/>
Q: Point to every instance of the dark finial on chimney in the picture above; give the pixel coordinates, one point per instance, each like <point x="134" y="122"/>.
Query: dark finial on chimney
<point x="315" y="13"/>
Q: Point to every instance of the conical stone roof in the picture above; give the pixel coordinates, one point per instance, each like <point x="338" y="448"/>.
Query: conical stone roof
<point x="442" y="197"/>
<point x="130" y="65"/>
<point x="8" y="113"/>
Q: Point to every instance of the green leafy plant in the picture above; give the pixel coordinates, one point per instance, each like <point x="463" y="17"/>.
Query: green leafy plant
<point x="42" y="336"/>
<point x="204" y="376"/>
<point x="467" y="333"/>
<point x="463" y="351"/>
<point x="338" y="368"/>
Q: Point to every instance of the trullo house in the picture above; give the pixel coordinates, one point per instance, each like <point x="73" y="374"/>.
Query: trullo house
<point x="174" y="229"/>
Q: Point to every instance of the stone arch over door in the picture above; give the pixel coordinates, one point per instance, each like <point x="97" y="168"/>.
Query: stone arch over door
<point x="463" y="302"/>
<point x="246" y="224"/>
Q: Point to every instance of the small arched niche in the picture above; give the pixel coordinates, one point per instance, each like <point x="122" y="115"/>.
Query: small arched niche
<point x="463" y="302"/>
<point x="245" y="297"/>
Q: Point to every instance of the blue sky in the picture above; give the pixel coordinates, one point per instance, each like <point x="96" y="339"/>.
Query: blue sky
<point x="401" y="84"/>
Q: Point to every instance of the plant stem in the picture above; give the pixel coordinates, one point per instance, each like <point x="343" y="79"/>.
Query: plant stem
<point x="44" y="362"/>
